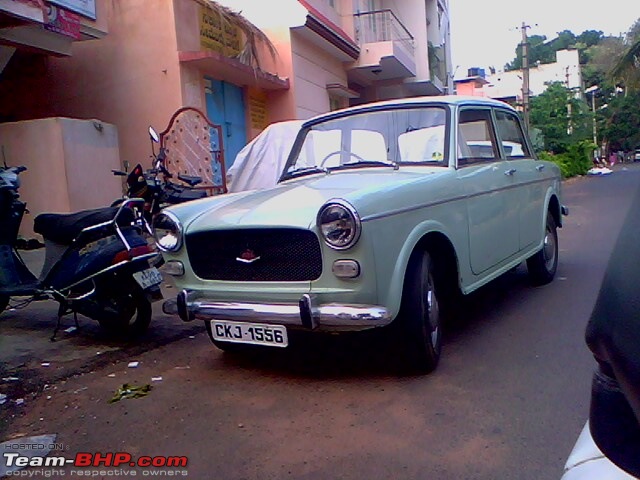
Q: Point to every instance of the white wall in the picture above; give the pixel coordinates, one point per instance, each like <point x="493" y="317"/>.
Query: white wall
<point x="509" y="84"/>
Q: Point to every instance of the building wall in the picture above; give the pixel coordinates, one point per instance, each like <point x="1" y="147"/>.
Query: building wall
<point x="131" y="78"/>
<point x="413" y="15"/>
<point x="313" y="69"/>
<point x="566" y="70"/>
<point x="69" y="164"/>
<point x="469" y="89"/>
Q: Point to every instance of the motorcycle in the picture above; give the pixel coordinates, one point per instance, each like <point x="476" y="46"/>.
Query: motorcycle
<point x="154" y="185"/>
<point x="97" y="262"/>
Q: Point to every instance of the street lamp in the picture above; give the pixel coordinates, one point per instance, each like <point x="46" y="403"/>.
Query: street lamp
<point x="592" y="90"/>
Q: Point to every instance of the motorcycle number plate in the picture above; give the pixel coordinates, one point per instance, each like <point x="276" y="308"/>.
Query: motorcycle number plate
<point x="148" y="278"/>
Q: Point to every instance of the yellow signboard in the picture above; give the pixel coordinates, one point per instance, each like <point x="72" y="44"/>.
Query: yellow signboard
<point x="258" y="109"/>
<point x="218" y="35"/>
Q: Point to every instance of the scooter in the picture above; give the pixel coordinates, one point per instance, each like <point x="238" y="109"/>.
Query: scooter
<point x="154" y="185"/>
<point x="97" y="262"/>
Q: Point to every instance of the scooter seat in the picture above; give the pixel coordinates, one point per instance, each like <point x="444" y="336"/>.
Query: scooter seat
<point x="63" y="228"/>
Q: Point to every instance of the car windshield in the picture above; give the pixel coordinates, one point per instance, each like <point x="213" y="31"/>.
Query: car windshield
<point x="376" y="138"/>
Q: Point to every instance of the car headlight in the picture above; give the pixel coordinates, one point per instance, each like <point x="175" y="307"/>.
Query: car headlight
<point x="339" y="224"/>
<point x="167" y="231"/>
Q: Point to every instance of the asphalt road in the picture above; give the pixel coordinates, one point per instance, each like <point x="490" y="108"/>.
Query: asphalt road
<point x="507" y="402"/>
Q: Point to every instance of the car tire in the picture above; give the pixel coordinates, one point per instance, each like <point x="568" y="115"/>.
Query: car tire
<point x="542" y="265"/>
<point x="4" y="302"/>
<point x="421" y="315"/>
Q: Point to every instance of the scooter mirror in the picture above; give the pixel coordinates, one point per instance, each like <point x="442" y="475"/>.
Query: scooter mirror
<point x="154" y="135"/>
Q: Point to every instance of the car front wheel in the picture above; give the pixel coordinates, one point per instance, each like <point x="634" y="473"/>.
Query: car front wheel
<point x="420" y="322"/>
<point x="542" y="265"/>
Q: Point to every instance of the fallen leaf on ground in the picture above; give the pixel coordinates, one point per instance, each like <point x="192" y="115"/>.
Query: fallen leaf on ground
<point x="130" y="391"/>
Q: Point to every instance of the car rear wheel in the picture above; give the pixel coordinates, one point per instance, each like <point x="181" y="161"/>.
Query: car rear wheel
<point x="420" y="322"/>
<point x="542" y="265"/>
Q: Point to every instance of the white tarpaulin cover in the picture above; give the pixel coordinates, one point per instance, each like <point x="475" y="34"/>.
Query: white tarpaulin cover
<point x="260" y="163"/>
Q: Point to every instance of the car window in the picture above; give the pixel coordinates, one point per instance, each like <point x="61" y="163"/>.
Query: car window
<point x="368" y="145"/>
<point x="511" y="135"/>
<point x="379" y="138"/>
<point x="422" y="144"/>
<point x="319" y="144"/>
<point x="475" y="138"/>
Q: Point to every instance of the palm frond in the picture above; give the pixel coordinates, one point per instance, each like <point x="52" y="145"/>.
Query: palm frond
<point x="628" y="62"/>
<point x="252" y="34"/>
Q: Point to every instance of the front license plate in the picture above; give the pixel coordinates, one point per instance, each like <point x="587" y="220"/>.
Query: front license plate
<point x="253" y="333"/>
<point x="148" y="278"/>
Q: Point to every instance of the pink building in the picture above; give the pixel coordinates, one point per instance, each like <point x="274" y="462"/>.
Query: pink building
<point x="160" y="55"/>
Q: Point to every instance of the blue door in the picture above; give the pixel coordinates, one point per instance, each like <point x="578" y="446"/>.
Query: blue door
<point x="225" y="107"/>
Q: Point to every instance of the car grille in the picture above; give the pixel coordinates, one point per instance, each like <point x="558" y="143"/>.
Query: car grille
<point x="286" y="255"/>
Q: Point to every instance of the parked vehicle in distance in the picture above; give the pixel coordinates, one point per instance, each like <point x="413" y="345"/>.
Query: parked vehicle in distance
<point x="383" y="216"/>
<point x="636" y="156"/>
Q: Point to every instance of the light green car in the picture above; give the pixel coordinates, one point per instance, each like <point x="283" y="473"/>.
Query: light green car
<point x="385" y="214"/>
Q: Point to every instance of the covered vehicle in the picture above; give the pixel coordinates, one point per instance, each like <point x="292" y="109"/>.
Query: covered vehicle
<point x="260" y="163"/>
<point x="383" y="215"/>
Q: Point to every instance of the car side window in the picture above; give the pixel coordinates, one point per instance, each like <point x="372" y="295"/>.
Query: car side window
<point x="511" y="135"/>
<point x="476" y="142"/>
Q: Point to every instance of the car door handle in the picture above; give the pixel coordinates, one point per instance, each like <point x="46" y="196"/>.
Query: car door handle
<point x="510" y="172"/>
<point x="540" y="167"/>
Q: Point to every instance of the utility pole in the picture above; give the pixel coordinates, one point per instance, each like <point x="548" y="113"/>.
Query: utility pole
<point x="569" y="111"/>
<point x="525" y="74"/>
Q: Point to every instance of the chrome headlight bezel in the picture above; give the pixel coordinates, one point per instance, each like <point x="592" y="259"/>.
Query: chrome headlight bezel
<point x="347" y="214"/>
<point x="161" y="233"/>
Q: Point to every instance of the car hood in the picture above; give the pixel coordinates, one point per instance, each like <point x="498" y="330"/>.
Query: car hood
<point x="296" y="202"/>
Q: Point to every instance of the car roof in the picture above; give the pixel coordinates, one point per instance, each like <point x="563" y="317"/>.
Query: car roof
<point x="409" y="102"/>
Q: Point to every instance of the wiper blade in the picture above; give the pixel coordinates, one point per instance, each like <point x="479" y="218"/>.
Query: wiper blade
<point x="306" y="170"/>
<point x="366" y="163"/>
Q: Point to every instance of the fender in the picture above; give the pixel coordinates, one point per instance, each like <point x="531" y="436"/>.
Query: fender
<point x="391" y="296"/>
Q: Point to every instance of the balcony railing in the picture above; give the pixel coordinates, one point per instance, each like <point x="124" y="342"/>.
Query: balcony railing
<point x="383" y="26"/>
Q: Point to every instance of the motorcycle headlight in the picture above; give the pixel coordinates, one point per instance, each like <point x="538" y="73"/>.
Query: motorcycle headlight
<point x="339" y="224"/>
<point x="167" y="231"/>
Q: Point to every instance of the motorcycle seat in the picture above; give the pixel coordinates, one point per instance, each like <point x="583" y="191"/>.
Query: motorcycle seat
<point x="190" y="180"/>
<point x="63" y="228"/>
<point x="179" y="195"/>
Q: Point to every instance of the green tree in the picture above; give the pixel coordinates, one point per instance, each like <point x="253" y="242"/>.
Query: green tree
<point x="562" y="119"/>
<point x="543" y="51"/>
<point x="621" y="122"/>
<point x="626" y="70"/>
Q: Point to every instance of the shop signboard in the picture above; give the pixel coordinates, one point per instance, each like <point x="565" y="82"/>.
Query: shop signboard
<point x="62" y="21"/>
<point x="217" y="34"/>
<point x="86" y="8"/>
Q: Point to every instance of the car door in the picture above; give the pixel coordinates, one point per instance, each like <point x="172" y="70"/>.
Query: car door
<point x="487" y="180"/>
<point x="528" y="173"/>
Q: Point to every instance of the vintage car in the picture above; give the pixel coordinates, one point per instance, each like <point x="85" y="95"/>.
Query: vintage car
<point x="385" y="214"/>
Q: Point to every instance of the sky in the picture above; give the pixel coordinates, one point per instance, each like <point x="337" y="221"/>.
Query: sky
<point x="486" y="32"/>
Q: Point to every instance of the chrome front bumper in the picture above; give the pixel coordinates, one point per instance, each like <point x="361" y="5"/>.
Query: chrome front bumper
<point x="307" y="313"/>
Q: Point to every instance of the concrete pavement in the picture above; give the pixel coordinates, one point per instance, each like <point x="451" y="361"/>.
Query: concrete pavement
<point x="29" y="360"/>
